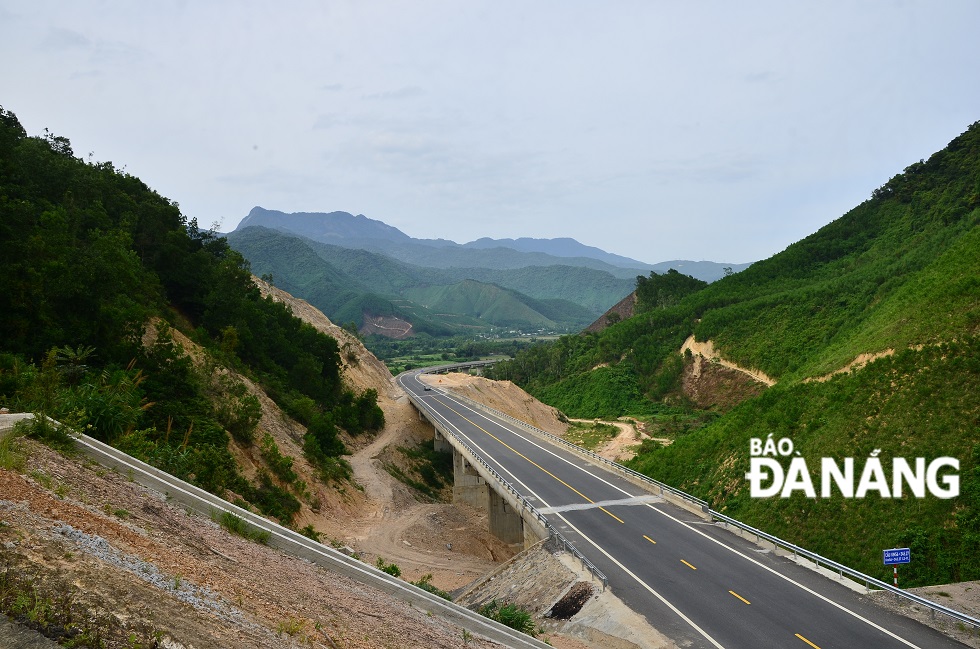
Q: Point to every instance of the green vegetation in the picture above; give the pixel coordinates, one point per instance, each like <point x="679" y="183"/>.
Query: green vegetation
<point x="104" y="279"/>
<point x="425" y="583"/>
<point x="510" y="615"/>
<point x="661" y="291"/>
<point x="425" y="351"/>
<point x="430" y="472"/>
<point x="388" y="568"/>
<point x="239" y="526"/>
<point x="12" y="457"/>
<point x="347" y="283"/>
<point x="291" y="626"/>
<point x="590" y="435"/>
<point x="281" y="465"/>
<point x="501" y="307"/>
<point x="310" y="532"/>
<point x="913" y="404"/>
<point x="899" y="272"/>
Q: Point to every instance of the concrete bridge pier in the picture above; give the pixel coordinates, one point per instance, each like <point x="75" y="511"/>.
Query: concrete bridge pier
<point x="505" y="523"/>
<point x="506" y="520"/>
<point x="441" y="443"/>
<point x="468" y="485"/>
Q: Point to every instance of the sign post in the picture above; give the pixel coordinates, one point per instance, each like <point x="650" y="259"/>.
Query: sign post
<point x="896" y="556"/>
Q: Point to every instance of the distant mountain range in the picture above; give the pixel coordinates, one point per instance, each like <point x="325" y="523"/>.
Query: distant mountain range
<point x="357" y="269"/>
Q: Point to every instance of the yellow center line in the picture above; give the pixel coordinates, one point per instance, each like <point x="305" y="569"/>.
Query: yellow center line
<point x="649" y="539"/>
<point x="533" y="463"/>
<point x="688" y="565"/>
<point x="806" y="641"/>
<point x="739" y="596"/>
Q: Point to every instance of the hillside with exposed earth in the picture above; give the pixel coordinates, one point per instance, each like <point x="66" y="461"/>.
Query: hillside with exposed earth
<point x="99" y="555"/>
<point x="99" y="548"/>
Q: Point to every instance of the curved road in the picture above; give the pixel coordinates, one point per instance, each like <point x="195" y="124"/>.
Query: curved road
<point x="694" y="581"/>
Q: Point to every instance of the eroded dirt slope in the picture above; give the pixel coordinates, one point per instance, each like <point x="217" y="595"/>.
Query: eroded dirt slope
<point x="136" y="569"/>
<point x="378" y="516"/>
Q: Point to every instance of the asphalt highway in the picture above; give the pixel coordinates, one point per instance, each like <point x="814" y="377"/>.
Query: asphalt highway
<point x="693" y="580"/>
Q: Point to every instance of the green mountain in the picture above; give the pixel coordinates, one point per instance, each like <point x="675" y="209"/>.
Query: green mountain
<point x="499" y="306"/>
<point x="347" y="230"/>
<point x="362" y="233"/>
<point x="102" y="280"/>
<point x="371" y="270"/>
<point x="352" y="285"/>
<point x="896" y="280"/>
<point x="369" y="290"/>
<point x="594" y="290"/>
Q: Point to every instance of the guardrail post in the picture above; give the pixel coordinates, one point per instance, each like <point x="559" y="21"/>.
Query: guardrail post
<point x="563" y="544"/>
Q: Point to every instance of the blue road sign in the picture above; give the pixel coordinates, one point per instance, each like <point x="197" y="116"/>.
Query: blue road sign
<point x="897" y="555"/>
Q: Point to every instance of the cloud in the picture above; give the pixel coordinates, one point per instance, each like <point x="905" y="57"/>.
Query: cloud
<point x="79" y="75"/>
<point x="473" y="119"/>
<point x="62" y="39"/>
<point x="707" y="169"/>
<point x="407" y="92"/>
<point x="759" y="77"/>
<point x="274" y="179"/>
<point x="327" y="121"/>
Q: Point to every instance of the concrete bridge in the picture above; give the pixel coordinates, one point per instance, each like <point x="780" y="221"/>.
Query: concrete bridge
<point x="512" y="517"/>
<point x="477" y="485"/>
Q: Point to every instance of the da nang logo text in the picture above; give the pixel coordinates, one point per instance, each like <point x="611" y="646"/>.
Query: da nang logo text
<point x="767" y="477"/>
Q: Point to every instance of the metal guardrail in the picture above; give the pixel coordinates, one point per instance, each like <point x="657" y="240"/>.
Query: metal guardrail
<point x="294" y="543"/>
<point x="850" y="572"/>
<point x="553" y="532"/>
<point x="591" y="455"/>
<point x="727" y="520"/>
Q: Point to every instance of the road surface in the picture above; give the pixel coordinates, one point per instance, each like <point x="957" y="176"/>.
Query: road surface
<point x="693" y="580"/>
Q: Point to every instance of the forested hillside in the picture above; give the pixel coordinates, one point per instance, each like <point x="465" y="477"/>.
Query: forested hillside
<point x="352" y="285"/>
<point x="898" y="279"/>
<point x="101" y="275"/>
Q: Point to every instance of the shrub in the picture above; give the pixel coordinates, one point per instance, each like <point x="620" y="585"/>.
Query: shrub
<point x="241" y="527"/>
<point x="280" y="464"/>
<point x="389" y="568"/>
<point x="425" y="583"/>
<point x="510" y="615"/>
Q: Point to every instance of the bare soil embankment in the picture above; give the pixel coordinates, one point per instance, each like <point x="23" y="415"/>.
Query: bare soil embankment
<point x="133" y="566"/>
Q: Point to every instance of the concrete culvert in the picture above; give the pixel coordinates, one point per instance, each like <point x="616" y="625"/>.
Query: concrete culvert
<point x="572" y="602"/>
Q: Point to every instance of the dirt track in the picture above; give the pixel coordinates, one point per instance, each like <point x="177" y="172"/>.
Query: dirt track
<point x="394" y="525"/>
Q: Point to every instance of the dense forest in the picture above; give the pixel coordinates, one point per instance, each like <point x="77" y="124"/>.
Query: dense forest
<point x="896" y="277"/>
<point x="101" y="274"/>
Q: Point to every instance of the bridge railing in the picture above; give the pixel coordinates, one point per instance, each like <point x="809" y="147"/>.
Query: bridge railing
<point x="797" y="551"/>
<point x="619" y="468"/>
<point x="557" y="537"/>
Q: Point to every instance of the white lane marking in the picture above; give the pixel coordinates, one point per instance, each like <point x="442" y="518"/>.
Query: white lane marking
<point x="539" y="446"/>
<point x="696" y="531"/>
<point x="639" y="500"/>
<point x="790" y="580"/>
<point x="569" y="525"/>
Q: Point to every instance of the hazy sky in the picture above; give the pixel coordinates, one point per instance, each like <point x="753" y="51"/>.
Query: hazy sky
<point x="656" y="130"/>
